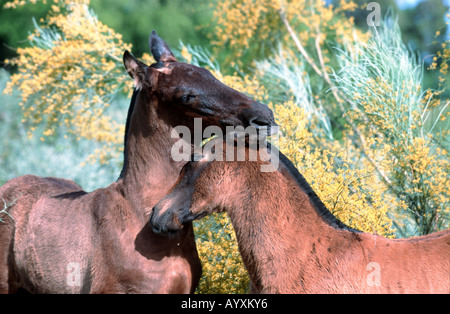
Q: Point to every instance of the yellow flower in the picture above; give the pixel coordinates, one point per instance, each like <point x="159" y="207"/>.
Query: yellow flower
<point x="71" y="80"/>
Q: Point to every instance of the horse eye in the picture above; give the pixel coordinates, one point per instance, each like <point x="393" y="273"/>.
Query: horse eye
<point x="188" y="98"/>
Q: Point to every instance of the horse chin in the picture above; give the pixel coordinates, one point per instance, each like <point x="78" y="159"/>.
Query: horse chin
<point x="168" y="231"/>
<point x="171" y="233"/>
<point x="167" y="225"/>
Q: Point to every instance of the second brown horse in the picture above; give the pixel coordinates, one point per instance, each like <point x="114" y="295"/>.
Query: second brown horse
<point x="289" y="241"/>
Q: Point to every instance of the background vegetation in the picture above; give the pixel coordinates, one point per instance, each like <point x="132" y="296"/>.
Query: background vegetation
<point x="363" y="110"/>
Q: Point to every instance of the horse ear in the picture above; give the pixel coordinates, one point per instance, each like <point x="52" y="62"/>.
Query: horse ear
<point x="159" y="49"/>
<point x="135" y="68"/>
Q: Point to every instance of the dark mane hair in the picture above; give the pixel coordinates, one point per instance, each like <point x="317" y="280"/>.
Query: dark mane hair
<point x="127" y="127"/>
<point x="320" y="207"/>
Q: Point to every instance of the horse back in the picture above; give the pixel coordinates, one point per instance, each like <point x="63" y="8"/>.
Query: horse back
<point x="19" y="195"/>
<point x="414" y="265"/>
<point x="31" y="232"/>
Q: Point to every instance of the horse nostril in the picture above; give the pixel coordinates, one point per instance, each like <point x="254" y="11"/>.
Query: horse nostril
<point x="152" y="213"/>
<point x="259" y="122"/>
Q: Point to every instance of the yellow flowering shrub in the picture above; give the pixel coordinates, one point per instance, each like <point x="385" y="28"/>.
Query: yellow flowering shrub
<point x="70" y="75"/>
<point x="348" y="192"/>
<point x="396" y="121"/>
<point x="441" y="62"/>
<point x="223" y="269"/>
<point x="251" y="28"/>
<point x="308" y="33"/>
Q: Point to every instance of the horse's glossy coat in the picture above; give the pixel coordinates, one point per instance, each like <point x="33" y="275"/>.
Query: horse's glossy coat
<point x="59" y="239"/>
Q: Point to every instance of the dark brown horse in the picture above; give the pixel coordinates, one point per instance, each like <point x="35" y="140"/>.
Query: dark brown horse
<point x="289" y="241"/>
<point x="57" y="238"/>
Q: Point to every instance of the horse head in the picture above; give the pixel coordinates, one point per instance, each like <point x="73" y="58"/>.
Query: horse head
<point x="181" y="92"/>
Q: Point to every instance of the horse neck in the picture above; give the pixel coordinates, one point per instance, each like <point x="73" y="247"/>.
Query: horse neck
<point x="279" y="230"/>
<point x="149" y="171"/>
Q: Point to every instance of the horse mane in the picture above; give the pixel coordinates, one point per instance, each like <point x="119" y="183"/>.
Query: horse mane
<point x="127" y="127"/>
<point x="71" y="195"/>
<point x="318" y="205"/>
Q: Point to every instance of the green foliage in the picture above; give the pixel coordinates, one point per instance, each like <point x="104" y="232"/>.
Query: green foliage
<point x="134" y="19"/>
<point x="15" y="26"/>
<point x="173" y="20"/>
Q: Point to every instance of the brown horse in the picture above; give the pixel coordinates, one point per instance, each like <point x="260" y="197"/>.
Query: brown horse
<point x="58" y="238"/>
<point x="289" y="241"/>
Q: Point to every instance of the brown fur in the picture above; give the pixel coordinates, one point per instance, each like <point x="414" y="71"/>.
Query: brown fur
<point x="290" y="243"/>
<point x="57" y="234"/>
